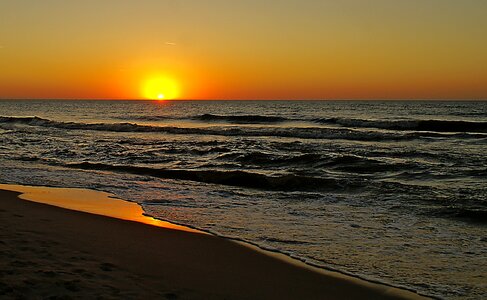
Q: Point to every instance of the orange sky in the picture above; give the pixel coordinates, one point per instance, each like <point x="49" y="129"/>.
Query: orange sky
<point x="215" y="49"/>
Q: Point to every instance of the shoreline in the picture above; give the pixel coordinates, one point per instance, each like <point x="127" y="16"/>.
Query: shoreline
<point x="290" y="276"/>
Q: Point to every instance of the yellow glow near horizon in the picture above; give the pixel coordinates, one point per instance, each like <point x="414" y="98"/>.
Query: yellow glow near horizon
<point x="160" y="88"/>
<point x="313" y="49"/>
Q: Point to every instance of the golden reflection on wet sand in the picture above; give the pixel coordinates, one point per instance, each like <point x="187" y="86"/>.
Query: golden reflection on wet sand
<point x="90" y="201"/>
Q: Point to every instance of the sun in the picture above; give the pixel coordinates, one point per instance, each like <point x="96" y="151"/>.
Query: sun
<point x="160" y="88"/>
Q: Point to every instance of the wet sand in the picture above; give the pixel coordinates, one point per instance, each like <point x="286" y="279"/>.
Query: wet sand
<point x="57" y="253"/>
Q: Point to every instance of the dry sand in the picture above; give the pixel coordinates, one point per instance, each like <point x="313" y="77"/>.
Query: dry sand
<point x="48" y="252"/>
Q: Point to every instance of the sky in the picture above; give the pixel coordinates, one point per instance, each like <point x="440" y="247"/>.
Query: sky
<point x="248" y="49"/>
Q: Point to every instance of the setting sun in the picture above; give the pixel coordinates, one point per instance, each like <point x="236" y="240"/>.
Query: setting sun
<point x="160" y="88"/>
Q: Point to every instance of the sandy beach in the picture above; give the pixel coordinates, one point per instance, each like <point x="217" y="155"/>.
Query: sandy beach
<point x="243" y="149"/>
<point x="56" y="253"/>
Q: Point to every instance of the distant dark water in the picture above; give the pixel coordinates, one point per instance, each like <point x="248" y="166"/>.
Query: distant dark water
<point x="391" y="191"/>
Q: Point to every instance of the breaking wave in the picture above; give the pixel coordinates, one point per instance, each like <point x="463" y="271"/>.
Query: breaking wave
<point x="251" y="119"/>
<point x="412" y="125"/>
<point x="287" y="132"/>
<point x="233" y="178"/>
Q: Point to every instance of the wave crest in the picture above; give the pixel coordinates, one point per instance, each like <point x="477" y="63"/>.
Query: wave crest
<point x="412" y="125"/>
<point x="288" y="182"/>
<point x="286" y="132"/>
<point x="251" y="119"/>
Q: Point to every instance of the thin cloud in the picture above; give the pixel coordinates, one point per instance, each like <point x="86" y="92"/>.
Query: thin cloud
<point x="170" y="44"/>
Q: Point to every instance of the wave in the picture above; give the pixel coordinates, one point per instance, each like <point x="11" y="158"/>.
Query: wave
<point x="37" y="121"/>
<point x="474" y="215"/>
<point x="286" y="132"/>
<point x="345" y="163"/>
<point x="362" y="165"/>
<point x="288" y="182"/>
<point x="236" y="119"/>
<point x="251" y="119"/>
<point x="285" y="241"/>
<point x="261" y="158"/>
<point x="304" y="133"/>
<point x="440" y="126"/>
<point x="411" y="125"/>
<point x="400" y="125"/>
<point x="148" y="118"/>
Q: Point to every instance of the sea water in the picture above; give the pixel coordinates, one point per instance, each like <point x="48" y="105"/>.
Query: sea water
<point x="394" y="192"/>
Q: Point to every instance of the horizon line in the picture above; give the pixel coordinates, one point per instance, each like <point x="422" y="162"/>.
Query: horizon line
<point x="309" y="99"/>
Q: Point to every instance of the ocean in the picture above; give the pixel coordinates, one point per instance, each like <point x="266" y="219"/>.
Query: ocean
<point x="389" y="191"/>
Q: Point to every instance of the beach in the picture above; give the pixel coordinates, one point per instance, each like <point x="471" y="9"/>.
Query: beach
<point x="57" y="253"/>
<point x="243" y="149"/>
<point x="386" y="191"/>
